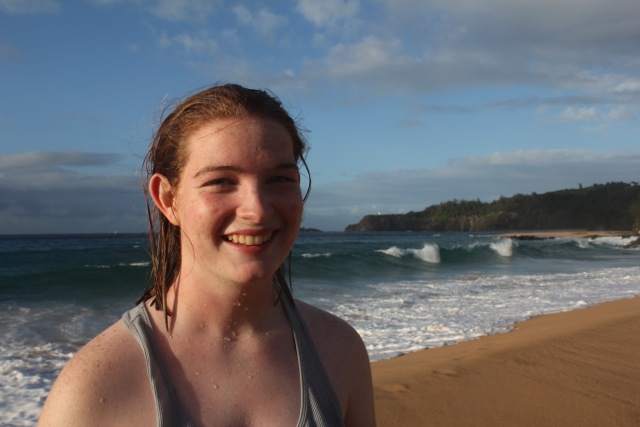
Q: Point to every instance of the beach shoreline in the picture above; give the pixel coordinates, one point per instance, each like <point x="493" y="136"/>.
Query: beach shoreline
<point x="573" y="233"/>
<point x="573" y="368"/>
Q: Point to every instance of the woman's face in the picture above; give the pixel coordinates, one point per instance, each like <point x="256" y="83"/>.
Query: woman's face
<point x="238" y="203"/>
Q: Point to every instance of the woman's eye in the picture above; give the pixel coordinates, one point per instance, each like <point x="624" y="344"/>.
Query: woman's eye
<point x="282" y="179"/>
<point x="219" y="182"/>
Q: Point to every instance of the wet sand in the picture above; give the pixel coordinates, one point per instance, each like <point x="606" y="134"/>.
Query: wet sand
<point x="566" y="233"/>
<point x="576" y="368"/>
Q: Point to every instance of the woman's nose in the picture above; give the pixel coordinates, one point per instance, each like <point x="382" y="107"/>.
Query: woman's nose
<point x="253" y="203"/>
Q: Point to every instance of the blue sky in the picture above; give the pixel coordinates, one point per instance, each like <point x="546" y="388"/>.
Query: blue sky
<point x="408" y="103"/>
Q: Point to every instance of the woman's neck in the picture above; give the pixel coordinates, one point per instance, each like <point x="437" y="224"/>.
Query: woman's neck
<point x="224" y="308"/>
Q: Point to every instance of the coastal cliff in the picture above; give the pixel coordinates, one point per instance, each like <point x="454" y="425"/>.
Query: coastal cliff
<point x="611" y="206"/>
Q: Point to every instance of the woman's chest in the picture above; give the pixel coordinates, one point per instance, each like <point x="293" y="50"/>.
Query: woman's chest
<point x="239" y="386"/>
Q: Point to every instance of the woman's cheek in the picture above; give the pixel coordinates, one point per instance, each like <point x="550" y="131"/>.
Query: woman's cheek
<point x="203" y="212"/>
<point x="295" y="205"/>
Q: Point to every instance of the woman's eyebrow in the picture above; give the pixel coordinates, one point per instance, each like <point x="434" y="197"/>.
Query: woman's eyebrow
<point x="286" y="166"/>
<point x="225" y="168"/>
<point x="215" y="168"/>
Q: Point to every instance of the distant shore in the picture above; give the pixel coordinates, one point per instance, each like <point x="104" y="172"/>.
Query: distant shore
<point x="576" y="368"/>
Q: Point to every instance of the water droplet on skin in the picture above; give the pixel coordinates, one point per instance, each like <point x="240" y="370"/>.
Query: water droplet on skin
<point x="197" y="373"/>
<point x="227" y="339"/>
<point x="215" y="386"/>
<point x="250" y="377"/>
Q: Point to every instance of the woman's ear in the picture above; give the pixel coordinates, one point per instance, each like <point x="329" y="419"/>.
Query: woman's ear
<point x="162" y="193"/>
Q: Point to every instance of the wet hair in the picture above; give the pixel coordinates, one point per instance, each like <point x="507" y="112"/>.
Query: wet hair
<point x="167" y="156"/>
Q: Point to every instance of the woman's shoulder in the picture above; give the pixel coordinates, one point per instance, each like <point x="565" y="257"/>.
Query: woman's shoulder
<point x="325" y="326"/>
<point x="101" y="383"/>
<point x="345" y="360"/>
<point x="339" y="345"/>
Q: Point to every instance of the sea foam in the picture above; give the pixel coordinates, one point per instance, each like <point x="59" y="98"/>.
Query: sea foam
<point x="503" y="247"/>
<point x="429" y="253"/>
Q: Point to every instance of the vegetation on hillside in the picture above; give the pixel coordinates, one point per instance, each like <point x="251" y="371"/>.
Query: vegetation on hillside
<point x="610" y="206"/>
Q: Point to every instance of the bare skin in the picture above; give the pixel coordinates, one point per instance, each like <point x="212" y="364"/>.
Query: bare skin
<point x="230" y="351"/>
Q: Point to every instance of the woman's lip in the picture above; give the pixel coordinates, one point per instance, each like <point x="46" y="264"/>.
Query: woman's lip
<point x="249" y="238"/>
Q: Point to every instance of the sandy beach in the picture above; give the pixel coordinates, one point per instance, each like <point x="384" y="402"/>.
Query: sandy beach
<point x="576" y="368"/>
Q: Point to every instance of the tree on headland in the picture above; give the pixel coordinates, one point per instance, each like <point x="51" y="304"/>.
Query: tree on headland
<point x="610" y="206"/>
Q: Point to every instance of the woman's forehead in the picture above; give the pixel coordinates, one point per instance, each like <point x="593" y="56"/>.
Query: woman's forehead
<point x="248" y="138"/>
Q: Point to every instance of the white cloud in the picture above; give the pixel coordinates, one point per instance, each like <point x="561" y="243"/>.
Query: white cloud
<point x="579" y="114"/>
<point x="439" y="44"/>
<point x="614" y="86"/>
<point x="536" y="158"/>
<point x="621" y="113"/>
<point x="40" y="159"/>
<point x="369" y="55"/>
<point x="264" y="22"/>
<point x="578" y="23"/>
<point x="230" y="35"/>
<point x="328" y="12"/>
<point x="416" y="47"/>
<point x="107" y="2"/>
<point x="628" y="84"/>
<point x="31" y="7"/>
<point x="604" y="115"/>
<point x="190" y="11"/>
<point x="184" y="10"/>
<point x="201" y="44"/>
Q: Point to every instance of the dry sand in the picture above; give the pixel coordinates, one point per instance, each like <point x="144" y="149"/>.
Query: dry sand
<point x="577" y="368"/>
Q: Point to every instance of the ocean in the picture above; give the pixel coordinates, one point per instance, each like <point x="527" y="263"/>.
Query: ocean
<point x="402" y="291"/>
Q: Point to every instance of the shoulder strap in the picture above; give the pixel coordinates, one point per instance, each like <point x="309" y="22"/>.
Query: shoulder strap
<point x="320" y="407"/>
<point x="169" y="412"/>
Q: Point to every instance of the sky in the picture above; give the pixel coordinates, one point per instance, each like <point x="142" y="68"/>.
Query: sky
<point x="406" y="103"/>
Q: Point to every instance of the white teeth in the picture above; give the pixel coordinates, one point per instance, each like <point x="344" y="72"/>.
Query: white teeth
<point x="249" y="240"/>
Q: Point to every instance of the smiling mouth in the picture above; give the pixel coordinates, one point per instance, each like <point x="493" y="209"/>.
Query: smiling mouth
<point x="249" y="240"/>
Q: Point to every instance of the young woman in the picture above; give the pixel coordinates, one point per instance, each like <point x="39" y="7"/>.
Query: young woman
<point x="217" y="339"/>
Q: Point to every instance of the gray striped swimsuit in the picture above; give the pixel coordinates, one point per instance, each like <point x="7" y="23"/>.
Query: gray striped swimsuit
<point x="319" y="404"/>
